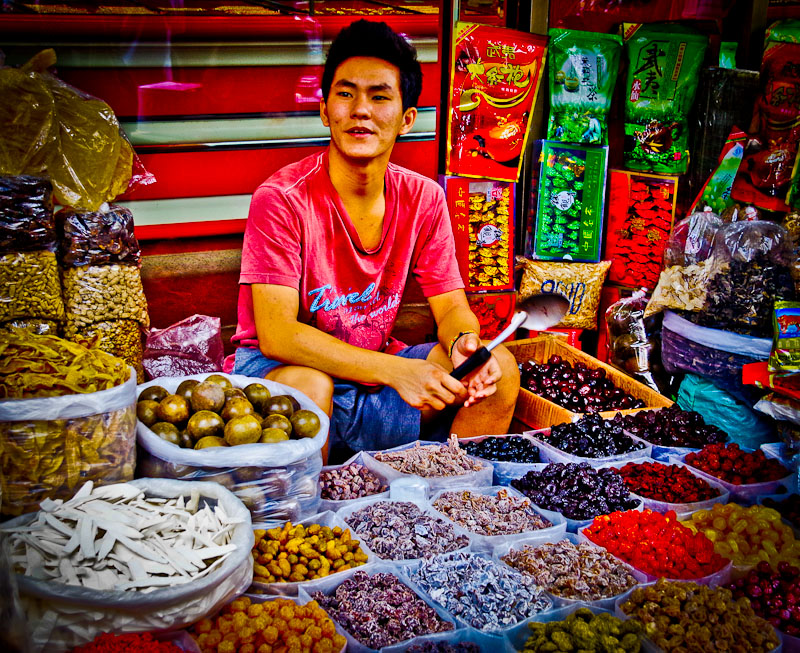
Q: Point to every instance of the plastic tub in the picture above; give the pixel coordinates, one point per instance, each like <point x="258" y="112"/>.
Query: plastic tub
<point x="329" y="584"/>
<point x="551" y="454"/>
<point x="335" y="505"/>
<point x="426" y="509"/>
<point x="747" y="493"/>
<point x="487" y="543"/>
<point x="606" y="603"/>
<point x="480" y="478"/>
<point x="505" y="472"/>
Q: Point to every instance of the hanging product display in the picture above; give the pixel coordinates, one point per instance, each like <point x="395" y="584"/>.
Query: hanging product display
<point x="716" y="192"/>
<point x="583" y="70"/>
<point x="663" y="71"/>
<point x="494" y="79"/>
<point x="641" y="210"/>
<point x="569" y="204"/>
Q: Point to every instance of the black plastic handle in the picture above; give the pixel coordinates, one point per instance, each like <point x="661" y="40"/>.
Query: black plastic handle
<point x="472" y="363"/>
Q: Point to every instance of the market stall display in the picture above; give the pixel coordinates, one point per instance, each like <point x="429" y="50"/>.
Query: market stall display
<point x="590" y="438"/>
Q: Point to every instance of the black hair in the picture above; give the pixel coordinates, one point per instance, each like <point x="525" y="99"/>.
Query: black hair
<point x="365" y="38"/>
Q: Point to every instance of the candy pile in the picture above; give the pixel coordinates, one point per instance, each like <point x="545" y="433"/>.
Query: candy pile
<point x="668" y="483"/>
<point x="788" y="507"/>
<point x="680" y="616"/>
<point x="351" y="481"/>
<point x="747" y="535"/>
<point x="592" y="437"/>
<point x="278" y="624"/>
<point x="487" y="514"/>
<point x="579" y="388"/>
<point x="379" y="610"/>
<point x="461" y="581"/>
<point x="584" y="631"/>
<point x="671" y="427"/>
<point x="514" y="449"/>
<point x="774" y="594"/>
<point x="431" y="460"/>
<point x="401" y="531"/>
<point x="656" y="544"/>
<point x="572" y="571"/>
<point x="576" y="490"/>
<point x="298" y="553"/>
<point x="736" y="466"/>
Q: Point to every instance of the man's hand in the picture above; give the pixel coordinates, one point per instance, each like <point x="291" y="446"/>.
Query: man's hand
<point x="482" y="382"/>
<point x="426" y="385"/>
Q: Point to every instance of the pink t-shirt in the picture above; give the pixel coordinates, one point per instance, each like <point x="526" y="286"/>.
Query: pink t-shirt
<point x="298" y="234"/>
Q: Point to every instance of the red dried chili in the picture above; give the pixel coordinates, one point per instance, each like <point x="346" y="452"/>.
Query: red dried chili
<point x="668" y="483"/>
<point x="656" y="544"/>
<point x="733" y="465"/>
<point x="139" y="642"/>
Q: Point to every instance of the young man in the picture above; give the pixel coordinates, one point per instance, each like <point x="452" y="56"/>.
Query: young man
<point x="329" y="243"/>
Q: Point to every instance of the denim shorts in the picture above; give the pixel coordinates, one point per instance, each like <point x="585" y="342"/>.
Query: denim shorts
<point x="365" y="418"/>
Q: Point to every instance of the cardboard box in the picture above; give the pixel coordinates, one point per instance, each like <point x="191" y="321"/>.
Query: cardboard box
<point x="493" y="310"/>
<point x="482" y="215"/>
<point x="641" y="211"/>
<point x="570" y="196"/>
<point x="537" y="412"/>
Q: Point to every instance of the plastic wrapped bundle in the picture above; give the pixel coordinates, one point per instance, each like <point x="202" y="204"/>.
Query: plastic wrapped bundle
<point x="97" y="293"/>
<point x="29" y="286"/>
<point x="26" y="214"/>
<point x="121" y="338"/>
<point x="97" y="238"/>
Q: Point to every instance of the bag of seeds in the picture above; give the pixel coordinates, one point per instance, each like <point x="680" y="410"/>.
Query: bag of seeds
<point x="687" y="264"/>
<point x="663" y="72"/>
<point x="580" y="283"/>
<point x="583" y="69"/>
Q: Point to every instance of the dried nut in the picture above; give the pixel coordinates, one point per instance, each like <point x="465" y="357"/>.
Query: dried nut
<point x="351" y="481"/>
<point x="98" y="293"/>
<point x="489" y="515"/>
<point x="30" y="287"/>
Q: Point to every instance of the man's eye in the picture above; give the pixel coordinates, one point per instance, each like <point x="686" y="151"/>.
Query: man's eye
<point x="380" y="97"/>
<point x="343" y="94"/>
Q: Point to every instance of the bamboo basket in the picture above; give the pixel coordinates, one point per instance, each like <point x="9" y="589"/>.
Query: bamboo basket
<point x="537" y="412"/>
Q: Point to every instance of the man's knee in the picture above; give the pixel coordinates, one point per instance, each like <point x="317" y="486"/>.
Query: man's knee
<point x="316" y="385"/>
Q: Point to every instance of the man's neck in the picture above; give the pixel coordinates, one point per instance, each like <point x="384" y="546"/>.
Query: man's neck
<point x="354" y="180"/>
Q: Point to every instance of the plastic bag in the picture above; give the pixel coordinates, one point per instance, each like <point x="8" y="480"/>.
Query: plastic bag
<point x="98" y="293"/>
<point x="120" y="338"/>
<point x="716" y="192"/>
<point x="66" y="616"/>
<point x="720" y="408"/>
<point x="97" y="238"/>
<point x="14" y="634"/>
<point x="333" y="504"/>
<point x="276" y="481"/>
<point x="86" y="437"/>
<point x="580" y="283"/>
<point x="191" y="346"/>
<point x="487" y="543"/>
<point x="454" y="638"/>
<point x="692" y="239"/>
<point x="583" y="70"/>
<point x="480" y="478"/>
<point x="30" y="286"/>
<point x="634" y="343"/>
<point x="664" y="70"/>
<point x="327" y="586"/>
<point x="72" y="137"/>
<point x="779" y="408"/>
<point x="26" y="214"/>
<point x="34" y="326"/>
<point x="713" y="353"/>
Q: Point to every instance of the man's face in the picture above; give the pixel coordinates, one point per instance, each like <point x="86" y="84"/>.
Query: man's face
<point x="364" y="109"/>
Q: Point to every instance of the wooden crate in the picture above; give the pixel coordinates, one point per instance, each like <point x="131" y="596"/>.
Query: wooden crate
<point x="537" y="412"/>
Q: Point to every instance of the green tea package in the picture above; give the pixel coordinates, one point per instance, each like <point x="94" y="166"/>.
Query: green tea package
<point x="785" y="356"/>
<point x="664" y="64"/>
<point x="583" y="69"/>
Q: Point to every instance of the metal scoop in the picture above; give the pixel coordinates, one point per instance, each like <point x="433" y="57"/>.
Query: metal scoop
<point x="537" y="313"/>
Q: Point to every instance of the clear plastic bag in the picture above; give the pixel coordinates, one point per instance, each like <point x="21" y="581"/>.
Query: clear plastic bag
<point x="692" y="239"/>
<point x="87" y="437"/>
<point x="98" y="237"/>
<point x="327" y="586"/>
<point x="26" y="214"/>
<point x="30" y="286"/>
<point x="425" y="509"/>
<point x="191" y="346"/>
<point x="480" y="478"/>
<point x="98" y="293"/>
<point x="487" y="543"/>
<point x="335" y="505"/>
<point x="120" y="338"/>
<point x="66" y="616"/>
<point x="634" y="343"/>
<point x="277" y="481"/>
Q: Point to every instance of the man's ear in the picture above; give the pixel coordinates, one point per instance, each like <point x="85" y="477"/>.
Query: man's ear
<point x="323" y="113"/>
<point x="409" y="118"/>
